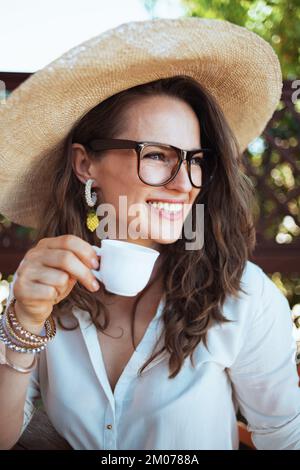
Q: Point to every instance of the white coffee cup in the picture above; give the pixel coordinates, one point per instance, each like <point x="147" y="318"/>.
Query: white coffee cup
<point x="125" y="268"/>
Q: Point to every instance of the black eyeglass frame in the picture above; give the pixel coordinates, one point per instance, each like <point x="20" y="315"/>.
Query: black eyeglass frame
<point x="96" y="145"/>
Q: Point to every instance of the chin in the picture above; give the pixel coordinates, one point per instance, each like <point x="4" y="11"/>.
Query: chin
<point x="166" y="242"/>
<point x="162" y="233"/>
<point x="166" y="236"/>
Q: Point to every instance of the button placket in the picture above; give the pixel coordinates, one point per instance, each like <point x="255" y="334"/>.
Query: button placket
<point x="109" y="430"/>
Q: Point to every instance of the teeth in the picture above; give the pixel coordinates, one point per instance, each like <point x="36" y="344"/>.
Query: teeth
<point x="167" y="206"/>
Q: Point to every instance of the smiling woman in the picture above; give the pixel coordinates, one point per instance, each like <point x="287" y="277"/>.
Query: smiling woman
<point x="197" y="342"/>
<point x="173" y="111"/>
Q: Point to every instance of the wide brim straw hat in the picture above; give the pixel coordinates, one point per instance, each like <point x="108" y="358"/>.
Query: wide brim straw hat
<point x="240" y="69"/>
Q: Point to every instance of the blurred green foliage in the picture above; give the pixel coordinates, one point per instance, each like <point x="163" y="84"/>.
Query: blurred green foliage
<point x="277" y="21"/>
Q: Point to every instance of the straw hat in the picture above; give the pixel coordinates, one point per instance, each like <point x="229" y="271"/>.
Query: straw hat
<point x="236" y="66"/>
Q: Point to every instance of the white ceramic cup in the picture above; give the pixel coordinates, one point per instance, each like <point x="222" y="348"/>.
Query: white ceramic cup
<point x="125" y="268"/>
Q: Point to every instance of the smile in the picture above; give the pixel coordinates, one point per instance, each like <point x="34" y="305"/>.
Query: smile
<point x="170" y="211"/>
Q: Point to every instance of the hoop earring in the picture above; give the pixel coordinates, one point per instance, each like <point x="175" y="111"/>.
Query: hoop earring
<point x="92" y="220"/>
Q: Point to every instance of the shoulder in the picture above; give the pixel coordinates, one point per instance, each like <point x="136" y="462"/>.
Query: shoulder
<point x="271" y="306"/>
<point x="240" y="308"/>
<point x="263" y="290"/>
<point x="251" y="313"/>
<point x="256" y="290"/>
<point x="252" y="280"/>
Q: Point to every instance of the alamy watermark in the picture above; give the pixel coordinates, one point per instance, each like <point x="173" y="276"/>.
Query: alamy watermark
<point x="296" y="94"/>
<point x="139" y="222"/>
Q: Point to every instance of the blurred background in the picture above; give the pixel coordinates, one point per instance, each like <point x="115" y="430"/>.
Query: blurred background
<point x="33" y="33"/>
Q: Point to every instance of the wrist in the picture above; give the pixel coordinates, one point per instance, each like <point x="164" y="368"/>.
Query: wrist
<point x="35" y="327"/>
<point x="20" y="359"/>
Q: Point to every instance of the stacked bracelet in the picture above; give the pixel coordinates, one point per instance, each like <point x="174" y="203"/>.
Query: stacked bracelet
<point x="14" y="338"/>
<point x="17" y="338"/>
<point x="24" y="370"/>
<point x="23" y="335"/>
<point x="12" y="344"/>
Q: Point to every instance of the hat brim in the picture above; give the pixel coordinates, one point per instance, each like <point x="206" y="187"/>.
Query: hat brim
<point x="236" y="66"/>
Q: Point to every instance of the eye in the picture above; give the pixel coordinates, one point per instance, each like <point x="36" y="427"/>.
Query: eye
<point x="197" y="161"/>
<point x="152" y="156"/>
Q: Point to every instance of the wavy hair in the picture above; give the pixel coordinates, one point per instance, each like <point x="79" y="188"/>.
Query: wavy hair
<point x="195" y="282"/>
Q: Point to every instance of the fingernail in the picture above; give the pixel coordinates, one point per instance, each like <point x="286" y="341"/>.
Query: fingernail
<point x="95" y="285"/>
<point x="95" y="263"/>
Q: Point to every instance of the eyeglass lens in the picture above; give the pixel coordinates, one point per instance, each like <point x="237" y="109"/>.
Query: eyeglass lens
<point x="158" y="164"/>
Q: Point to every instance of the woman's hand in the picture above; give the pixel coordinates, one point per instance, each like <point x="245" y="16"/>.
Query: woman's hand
<point x="48" y="273"/>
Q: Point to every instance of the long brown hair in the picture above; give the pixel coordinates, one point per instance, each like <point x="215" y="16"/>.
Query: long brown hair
<point x="195" y="282"/>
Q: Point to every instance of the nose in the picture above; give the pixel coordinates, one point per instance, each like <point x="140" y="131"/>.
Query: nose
<point x="181" y="182"/>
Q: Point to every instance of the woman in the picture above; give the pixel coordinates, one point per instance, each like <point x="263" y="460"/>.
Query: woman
<point x="210" y="333"/>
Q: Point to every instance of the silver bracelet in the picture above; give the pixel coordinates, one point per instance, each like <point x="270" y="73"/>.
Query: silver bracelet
<point x="14" y="340"/>
<point x="7" y="341"/>
<point x="23" y="370"/>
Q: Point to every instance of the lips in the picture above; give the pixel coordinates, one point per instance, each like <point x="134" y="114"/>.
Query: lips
<point x="165" y="213"/>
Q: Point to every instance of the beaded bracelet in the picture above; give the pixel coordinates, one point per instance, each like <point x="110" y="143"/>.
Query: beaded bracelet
<point x="16" y="337"/>
<point x="7" y="327"/>
<point x="11" y="345"/>
<point x="17" y="327"/>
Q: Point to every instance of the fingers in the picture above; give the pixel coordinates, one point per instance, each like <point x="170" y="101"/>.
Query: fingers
<point x="82" y="249"/>
<point x="65" y="261"/>
<point x="51" y="276"/>
<point x="48" y="273"/>
<point x="34" y="291"/>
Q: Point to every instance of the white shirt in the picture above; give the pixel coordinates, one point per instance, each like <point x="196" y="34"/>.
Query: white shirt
<point x="250" y="363"/>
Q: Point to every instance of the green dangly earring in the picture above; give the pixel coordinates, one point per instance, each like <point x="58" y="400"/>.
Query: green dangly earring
<point x="92" y="220"/>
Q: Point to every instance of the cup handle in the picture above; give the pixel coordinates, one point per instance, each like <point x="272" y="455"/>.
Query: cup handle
<point x="96" y="273"/>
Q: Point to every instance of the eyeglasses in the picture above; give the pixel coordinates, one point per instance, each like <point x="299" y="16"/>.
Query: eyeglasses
<point x="158" y="164"/>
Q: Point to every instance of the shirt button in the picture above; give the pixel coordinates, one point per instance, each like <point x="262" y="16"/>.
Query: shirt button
<point x="108" y="426"/>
